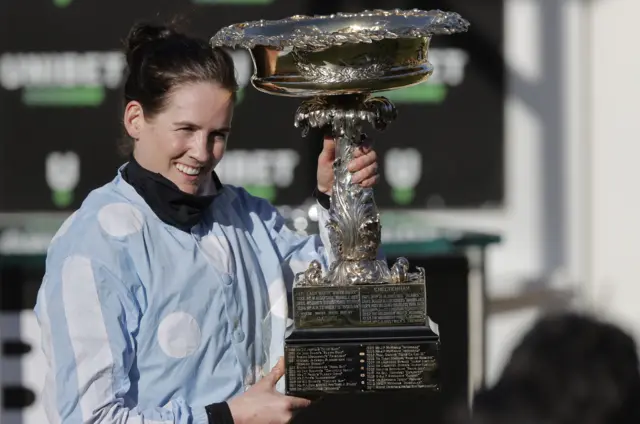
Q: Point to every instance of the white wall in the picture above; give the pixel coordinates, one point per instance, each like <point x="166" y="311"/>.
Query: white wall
<point x="614" y="284"/>
<point x="543" y="222"/>
<point x="572" y="220"/>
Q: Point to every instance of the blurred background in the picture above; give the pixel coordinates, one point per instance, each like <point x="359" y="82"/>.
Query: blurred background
<point x="510" y="176"/>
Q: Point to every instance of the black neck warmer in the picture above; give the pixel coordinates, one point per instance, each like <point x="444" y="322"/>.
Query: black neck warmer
<point x="168" y="202"/>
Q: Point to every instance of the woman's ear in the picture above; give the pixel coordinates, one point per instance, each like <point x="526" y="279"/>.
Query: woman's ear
<point x="133" y="119"/>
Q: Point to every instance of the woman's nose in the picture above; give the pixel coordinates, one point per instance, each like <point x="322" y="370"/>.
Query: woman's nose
<point x="199" y="149"/>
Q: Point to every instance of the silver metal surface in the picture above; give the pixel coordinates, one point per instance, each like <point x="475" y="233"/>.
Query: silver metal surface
<point x="337" y="61"/>
<point x="344" y="53"/>
<point x="321" y="32"/>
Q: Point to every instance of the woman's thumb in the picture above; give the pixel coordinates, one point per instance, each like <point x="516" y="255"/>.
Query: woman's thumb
<point x="276" y="373"/>
<point x="329" y="146"/>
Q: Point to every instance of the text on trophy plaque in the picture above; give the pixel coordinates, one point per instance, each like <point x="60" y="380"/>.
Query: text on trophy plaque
<point x="360" y="367"/>
<point x="360" y="306"/>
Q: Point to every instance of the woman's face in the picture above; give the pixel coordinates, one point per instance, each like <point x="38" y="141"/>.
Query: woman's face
<point x="186" y="140"/>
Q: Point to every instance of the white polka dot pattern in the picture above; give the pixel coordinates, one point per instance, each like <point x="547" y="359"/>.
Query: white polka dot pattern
<point x="179" y="335"/>
<point x="120" y="219"/>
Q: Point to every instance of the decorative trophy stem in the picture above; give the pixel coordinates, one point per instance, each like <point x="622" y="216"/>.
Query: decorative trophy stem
<point x="362" y="327"/>
<point x="354" y="226"/>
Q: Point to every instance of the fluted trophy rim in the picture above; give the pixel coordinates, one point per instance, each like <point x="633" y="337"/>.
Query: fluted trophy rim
<point x="323" y="31"/>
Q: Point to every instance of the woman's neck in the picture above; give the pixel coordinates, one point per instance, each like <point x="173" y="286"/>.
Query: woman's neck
<point x="172" y="205"/>
<point x="207" y="188"/>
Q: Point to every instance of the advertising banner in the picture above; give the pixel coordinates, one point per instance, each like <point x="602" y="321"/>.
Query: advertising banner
<point x="61" y="73"/>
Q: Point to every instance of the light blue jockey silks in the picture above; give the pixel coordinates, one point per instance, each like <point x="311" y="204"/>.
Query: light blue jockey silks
<point x="143" y="323"/>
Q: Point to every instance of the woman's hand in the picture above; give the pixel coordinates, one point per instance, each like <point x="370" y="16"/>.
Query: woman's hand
<point x="364" y="166"/>
<point x="263" y="404"/>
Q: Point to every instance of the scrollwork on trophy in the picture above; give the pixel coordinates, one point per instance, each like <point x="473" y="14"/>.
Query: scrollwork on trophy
<point x="316" y="33"/>
<point x="323" y="74"/>
<point x="354" y="224"/>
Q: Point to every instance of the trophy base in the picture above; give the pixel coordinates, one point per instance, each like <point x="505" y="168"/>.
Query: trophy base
<point x="367" y="338"/>
<point x="321" y="362"/>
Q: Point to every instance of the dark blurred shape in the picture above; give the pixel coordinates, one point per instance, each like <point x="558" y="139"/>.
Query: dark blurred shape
<point x="15" y="348"/>
<point x="568" y="369"/>
<point x="17" y="398"/>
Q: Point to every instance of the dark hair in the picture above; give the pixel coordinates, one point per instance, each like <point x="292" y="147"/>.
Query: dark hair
<point x="161" y="58"/>
<point x="568" y="368"/>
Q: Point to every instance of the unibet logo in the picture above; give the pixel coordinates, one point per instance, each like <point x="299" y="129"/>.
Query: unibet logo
<point x="403" y="170"/>
<point x="449" y="71"/>
<point x="62" y="78"/>
<point x="234" y="2"/>
<point x="62" y="172"/>
<point x="260" y="172"/>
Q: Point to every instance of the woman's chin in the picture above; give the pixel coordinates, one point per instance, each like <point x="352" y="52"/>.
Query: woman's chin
<point x="186" y="183"/>
<point x="188" y="188"/>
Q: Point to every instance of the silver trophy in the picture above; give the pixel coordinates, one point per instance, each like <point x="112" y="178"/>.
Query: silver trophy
<point x="336" y="62"/>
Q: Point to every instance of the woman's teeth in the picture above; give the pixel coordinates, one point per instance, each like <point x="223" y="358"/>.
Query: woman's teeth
<point x="187" y="169"/>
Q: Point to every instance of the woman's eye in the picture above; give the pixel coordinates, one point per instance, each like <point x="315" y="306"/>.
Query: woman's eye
<point x="218" y="136"/>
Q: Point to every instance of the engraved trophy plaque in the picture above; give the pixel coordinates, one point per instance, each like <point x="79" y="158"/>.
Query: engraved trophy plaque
<point x="362" y="326"/>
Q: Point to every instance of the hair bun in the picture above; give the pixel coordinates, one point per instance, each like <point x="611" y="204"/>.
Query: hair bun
<point x="145" y="34"/>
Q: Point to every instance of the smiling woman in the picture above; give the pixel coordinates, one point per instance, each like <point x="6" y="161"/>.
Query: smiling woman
<point x="185" y="139"/>
<point x="179" y="104"/>
<point x="167" y="289"/>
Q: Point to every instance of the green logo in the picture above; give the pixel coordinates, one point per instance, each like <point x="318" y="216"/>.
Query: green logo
<point x="263" y="191"/>
<point x="240" y="96"/>
<point x="403" y="170"/>
<point x="62" y="79"/>
<point x="425" y="92"/>
<point x="62" y="3"/>
<point x="403" y="195"/>
<point x="63" y="96"/>
<point x="62" y="171"/>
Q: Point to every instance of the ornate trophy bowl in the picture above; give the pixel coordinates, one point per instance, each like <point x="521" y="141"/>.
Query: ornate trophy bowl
<point x="344" y="53"/>
<point x="362" y="326"/>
